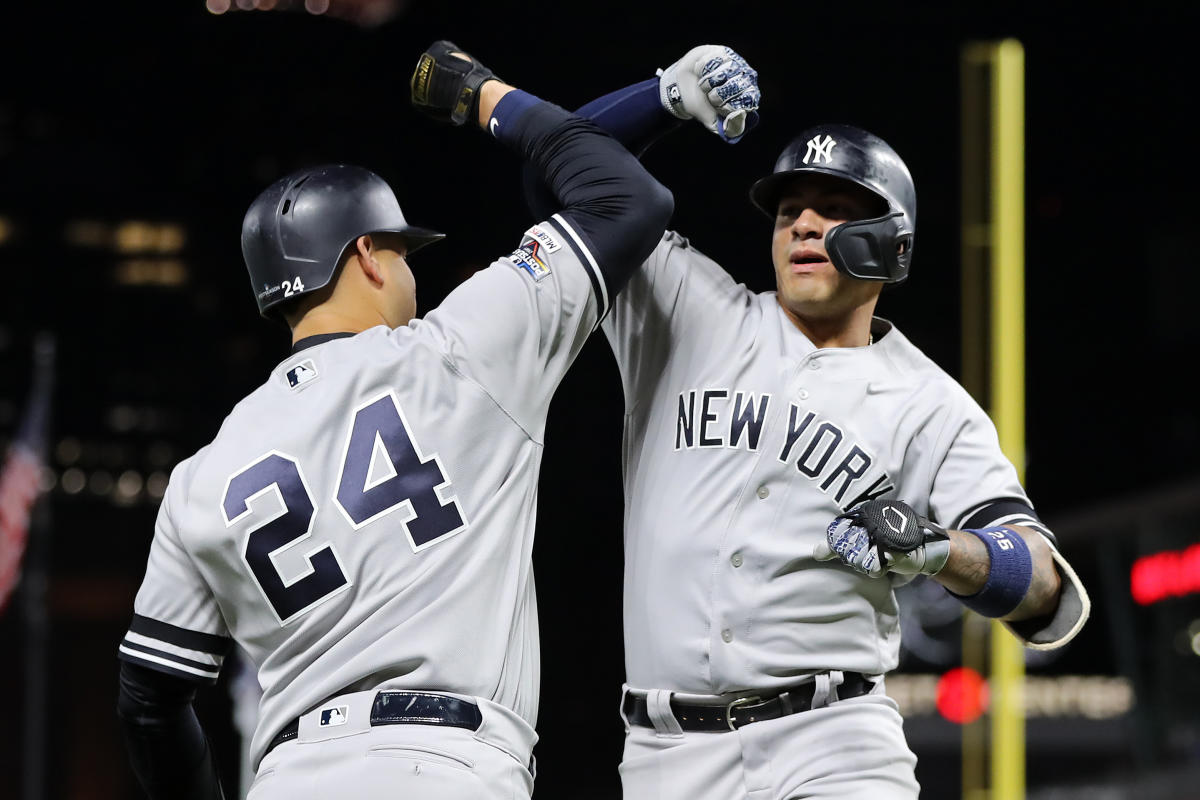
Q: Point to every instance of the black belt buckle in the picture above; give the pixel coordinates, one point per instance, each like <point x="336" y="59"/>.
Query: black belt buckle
<point x="700" y="717"/>
<point x="738" y="703"/>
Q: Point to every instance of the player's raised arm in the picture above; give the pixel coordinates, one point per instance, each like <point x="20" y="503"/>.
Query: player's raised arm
<point x="711" y="84"/>
<point x="607" y="199"/>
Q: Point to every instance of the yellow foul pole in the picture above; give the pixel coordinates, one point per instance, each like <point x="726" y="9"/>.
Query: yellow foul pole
<point x="1007" y="395"/>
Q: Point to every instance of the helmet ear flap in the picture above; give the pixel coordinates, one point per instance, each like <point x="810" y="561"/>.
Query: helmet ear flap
<point x="878" y="249"/>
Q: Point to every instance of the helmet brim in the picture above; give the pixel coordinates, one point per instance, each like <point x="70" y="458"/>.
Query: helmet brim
<point x="765" y="192"/>
<point x="415" y="238"/>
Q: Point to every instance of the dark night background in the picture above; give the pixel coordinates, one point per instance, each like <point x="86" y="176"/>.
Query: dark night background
<point x="167" y="113"/>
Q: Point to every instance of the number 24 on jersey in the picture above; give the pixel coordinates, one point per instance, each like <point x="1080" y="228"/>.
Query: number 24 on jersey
<point x="415" y="484"/>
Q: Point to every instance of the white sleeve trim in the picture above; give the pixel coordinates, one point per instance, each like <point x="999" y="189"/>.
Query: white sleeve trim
<point x="597" y="275"/>
<point x="167" y="647"/>
<point x="138" y="655"/>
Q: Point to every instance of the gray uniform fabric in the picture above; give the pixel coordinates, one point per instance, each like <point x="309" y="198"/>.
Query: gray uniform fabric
<point x="365" y="518"/>
<point x="854" y="749"/>
<point x="397" y="761"/>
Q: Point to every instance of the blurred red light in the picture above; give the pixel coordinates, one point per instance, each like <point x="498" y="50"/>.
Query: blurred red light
<point x="1171" y="574"/>
<point x="962" y="695"/>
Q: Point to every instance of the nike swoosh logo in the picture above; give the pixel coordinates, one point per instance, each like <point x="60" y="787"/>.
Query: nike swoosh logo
<point x="493" y="125"/>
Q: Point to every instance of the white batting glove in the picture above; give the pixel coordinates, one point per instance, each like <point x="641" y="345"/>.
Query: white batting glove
<point x="885" y="536"/>
<point x="715" y="86"/>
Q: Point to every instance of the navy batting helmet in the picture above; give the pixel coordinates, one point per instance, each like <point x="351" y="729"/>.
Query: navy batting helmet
<point x="877" y="249"/>
<point x="295" y="231"/>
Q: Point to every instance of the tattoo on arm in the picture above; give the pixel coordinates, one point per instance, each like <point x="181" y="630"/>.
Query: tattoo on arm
<point x="966" y="570"/>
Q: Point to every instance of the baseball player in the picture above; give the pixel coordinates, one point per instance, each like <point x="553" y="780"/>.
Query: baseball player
<point x="361" y="525"/>
<point x="789" y="459"/>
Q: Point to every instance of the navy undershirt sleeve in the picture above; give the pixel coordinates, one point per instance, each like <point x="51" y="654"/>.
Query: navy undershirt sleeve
<point x="167" y="747"/>
<point x="615" y="206"/>
<point x="633" y="115"/>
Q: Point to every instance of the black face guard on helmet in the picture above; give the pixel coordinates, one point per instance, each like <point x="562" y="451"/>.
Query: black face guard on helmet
<point x="876" y="249"/>
<point x="295" y="231"/>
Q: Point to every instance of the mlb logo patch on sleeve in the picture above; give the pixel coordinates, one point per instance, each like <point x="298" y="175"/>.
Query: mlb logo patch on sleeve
<point x="543" y="237"/>
<point x="302" y="373"/>
<point x="529" y="258"/>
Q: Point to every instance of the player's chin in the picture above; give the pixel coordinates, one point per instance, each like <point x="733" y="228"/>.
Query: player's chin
<point x="806" y="288"/>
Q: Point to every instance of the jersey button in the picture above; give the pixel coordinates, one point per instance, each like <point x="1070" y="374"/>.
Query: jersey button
<point x="736" y="559"/>
<point x="814" y="364"/>
<point x="802" y="394"/>
<point x="763" y="492"/>
<point x="727" y="635"/>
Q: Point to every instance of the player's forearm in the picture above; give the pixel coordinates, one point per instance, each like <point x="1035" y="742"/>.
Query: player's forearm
<point x="633" y="115"/>
<point x="165" y="772"/>
<point x="969" y="566"/>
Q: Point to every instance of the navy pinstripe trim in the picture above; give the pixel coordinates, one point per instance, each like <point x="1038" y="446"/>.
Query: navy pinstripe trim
<point x="1005" y="511"/>
<point x="981" y="515"/>
<point x="178" y="673"/>
<point x="320" y="338"/>
<point x="170" y="656"/>
<point x="181" y="637"/>
<point x="587" y="265"/>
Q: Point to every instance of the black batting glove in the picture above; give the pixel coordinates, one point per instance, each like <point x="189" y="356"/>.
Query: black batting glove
<point x="445" y="85"/>
<point x="883" y="536"/>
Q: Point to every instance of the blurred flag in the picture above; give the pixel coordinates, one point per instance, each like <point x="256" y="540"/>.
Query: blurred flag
<point x="21" y="475"/>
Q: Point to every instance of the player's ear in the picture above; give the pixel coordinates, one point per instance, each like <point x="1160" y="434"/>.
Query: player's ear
<point x="367" y="261"/>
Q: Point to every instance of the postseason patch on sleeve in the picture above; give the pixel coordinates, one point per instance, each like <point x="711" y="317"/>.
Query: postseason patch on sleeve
<point x="531" y="257"/>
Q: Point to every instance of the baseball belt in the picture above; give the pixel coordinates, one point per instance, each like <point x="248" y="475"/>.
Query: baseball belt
<point x="730" y="716"/>
<point x="405" y="708"/>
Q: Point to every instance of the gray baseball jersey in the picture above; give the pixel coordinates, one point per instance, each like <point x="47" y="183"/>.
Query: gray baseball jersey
<point x="742" y="441"/>
<point x="365" y="518"/>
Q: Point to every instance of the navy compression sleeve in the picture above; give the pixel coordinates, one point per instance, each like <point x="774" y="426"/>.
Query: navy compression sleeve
<point x="615" y="206"/>
<point x="167" y="747"/>
<point x="634" y="116"/>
